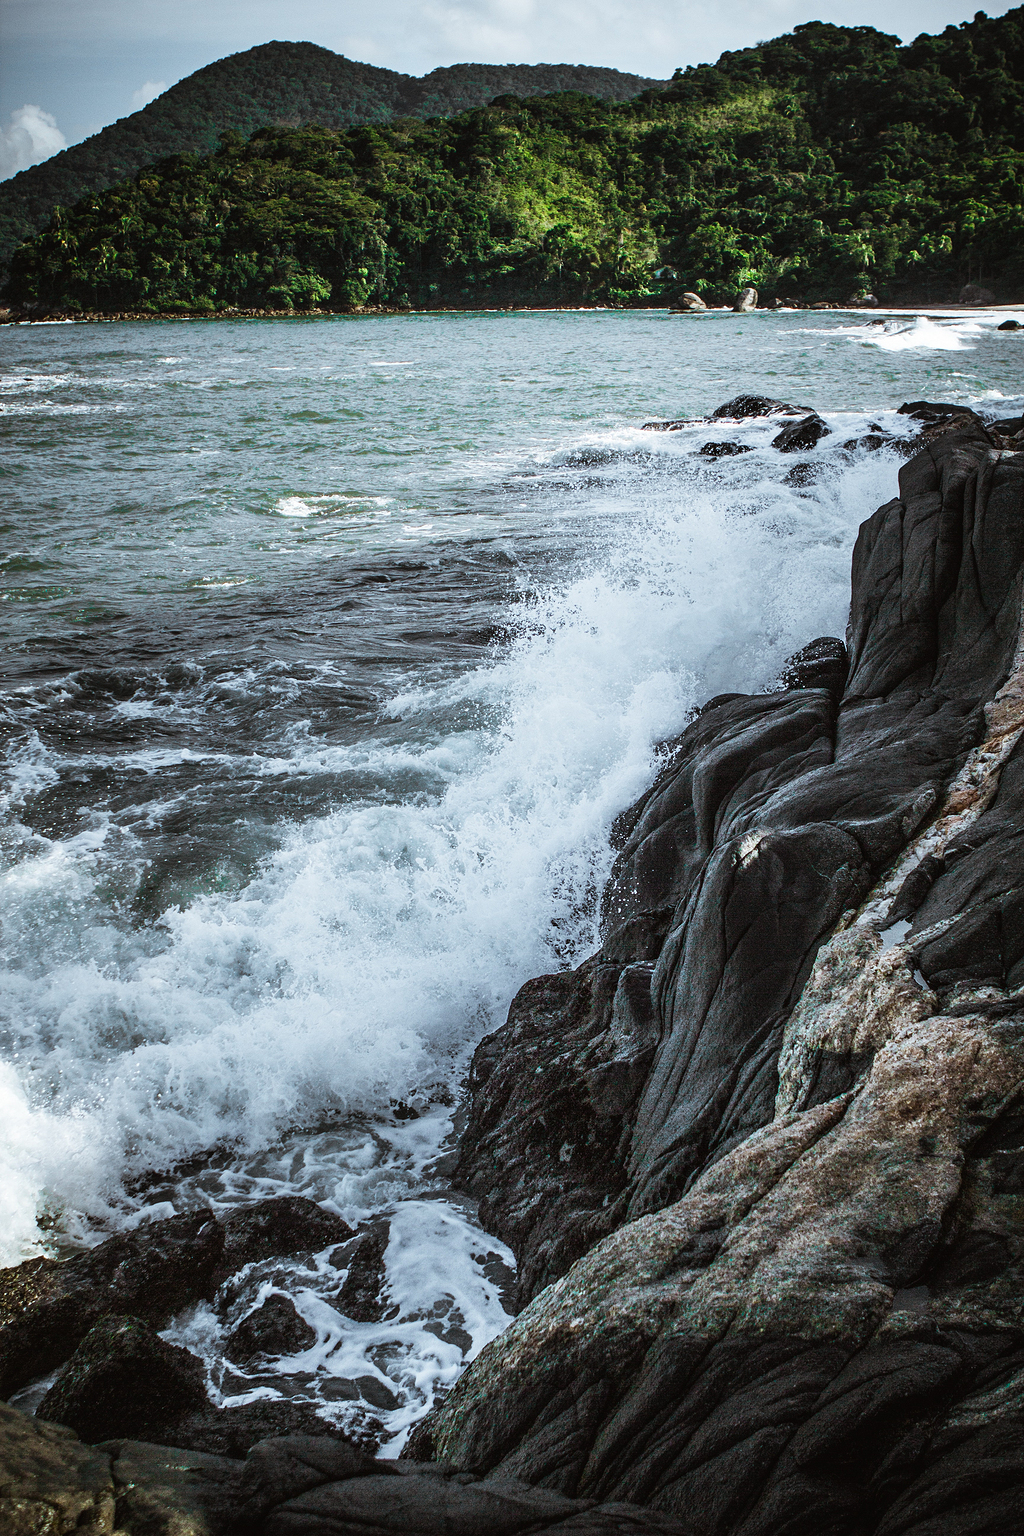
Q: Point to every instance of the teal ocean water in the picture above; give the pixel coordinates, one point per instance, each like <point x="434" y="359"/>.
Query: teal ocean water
<point x="331" y="649"/>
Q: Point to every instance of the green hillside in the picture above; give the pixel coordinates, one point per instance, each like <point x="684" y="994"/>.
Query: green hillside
<point x="278" y="84"/>
<point x="818" y="166"/>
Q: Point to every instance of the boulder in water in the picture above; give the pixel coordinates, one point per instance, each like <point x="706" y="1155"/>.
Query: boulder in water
<point x="743" y="406"/>
<point x="274" y="1328"/>
<point x="1010" y="325"/>
<point x="691" y="302"/>
<point x="801" y="435"/>
<point x="724" y="450"/>
<point x="47" y="1307"/>
<point x="269" y="1228"/>
<point x="745" y="299"/>
<point x="361" y="1294"/>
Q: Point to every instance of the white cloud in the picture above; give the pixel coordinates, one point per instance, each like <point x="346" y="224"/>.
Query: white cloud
<point x="32" y="136"/>
<point x="147" y="93"/>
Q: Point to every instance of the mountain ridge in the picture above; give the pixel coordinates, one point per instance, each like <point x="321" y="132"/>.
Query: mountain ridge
<point x="276" y="84"/>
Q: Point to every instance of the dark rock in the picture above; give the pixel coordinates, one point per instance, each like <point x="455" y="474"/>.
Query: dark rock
<point x="803" y="434"/>
<point x="978" y="897"/>
<point x="234" y="1431"/>
<point x="930" y="412"/>
<point x="814" y="1324"/>
<point x="47" y="1307"/>
<point x="549" y="1096"/>
<point x="164" y="1492"/>
<point x="742" y="406"/>
<point x="274" y="1328"/>
<point x="1010" y="325"/>
<point x="724" y="450"/>
<point x="300" y="1484"/>
<point x="286" y="1224"/>
<point x="823" y="663"/>
<point x="1008" y="426"/>
<point x="975" y="293"/>
<point x="864" y="301"/>
<point x="361" y="1293"/>
<point x="124" y="1379"/>
<point x="745" y="299"/>
<point x="49" y="1482"/>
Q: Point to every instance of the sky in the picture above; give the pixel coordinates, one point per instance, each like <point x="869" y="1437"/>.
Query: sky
<point x="69" y="67"/>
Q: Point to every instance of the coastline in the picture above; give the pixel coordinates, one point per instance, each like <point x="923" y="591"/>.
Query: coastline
<point x="929" y="311"/>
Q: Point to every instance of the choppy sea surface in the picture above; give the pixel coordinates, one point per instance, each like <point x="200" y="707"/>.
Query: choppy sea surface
<point x="331" y="649"/>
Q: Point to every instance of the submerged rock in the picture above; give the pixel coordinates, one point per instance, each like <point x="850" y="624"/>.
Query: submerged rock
<point x="724" y="450"/>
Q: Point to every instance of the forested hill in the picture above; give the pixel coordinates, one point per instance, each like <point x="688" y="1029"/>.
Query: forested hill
<point x="277" y="84"/>
<point x="821" y="165"/>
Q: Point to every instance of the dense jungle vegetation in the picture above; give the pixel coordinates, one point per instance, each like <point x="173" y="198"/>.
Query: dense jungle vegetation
<point x="275" y="85"/>
<point x="820" y="165"/>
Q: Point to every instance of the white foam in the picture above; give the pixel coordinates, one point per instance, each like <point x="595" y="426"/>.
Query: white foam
<point x="443" y="1305"/>
<point x="377" y="944"/>
<point x="918" y="335"/>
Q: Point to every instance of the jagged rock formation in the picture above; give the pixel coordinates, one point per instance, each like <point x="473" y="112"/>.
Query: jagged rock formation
<point x="790" y="1088"/>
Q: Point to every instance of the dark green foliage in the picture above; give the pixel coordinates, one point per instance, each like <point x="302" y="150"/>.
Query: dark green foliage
<point x="277" y="84"/>
<point x="820" y="165"/>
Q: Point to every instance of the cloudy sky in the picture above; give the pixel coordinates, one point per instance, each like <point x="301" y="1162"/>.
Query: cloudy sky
<point x="68" y="67"/>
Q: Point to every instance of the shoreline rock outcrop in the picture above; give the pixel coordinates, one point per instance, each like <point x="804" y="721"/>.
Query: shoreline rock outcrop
<point x="806" y="1312"/>
<point x="761" y="1158"/>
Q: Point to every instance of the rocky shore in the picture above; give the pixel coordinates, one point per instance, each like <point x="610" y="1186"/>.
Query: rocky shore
<point x="760" y="1158"/>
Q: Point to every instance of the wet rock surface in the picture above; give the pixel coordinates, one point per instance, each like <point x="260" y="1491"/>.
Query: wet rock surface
<point x="124" y="1379"/>
<point x="47" y="1307"/>
<point x="804" y="1311"/>
<point x="360" y="1295"/>
<point x="802" y="434"/>
<point x="273" y="1328"/>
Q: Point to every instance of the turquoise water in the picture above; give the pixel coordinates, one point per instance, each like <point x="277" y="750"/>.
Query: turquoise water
<point x="332" y="648"/>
